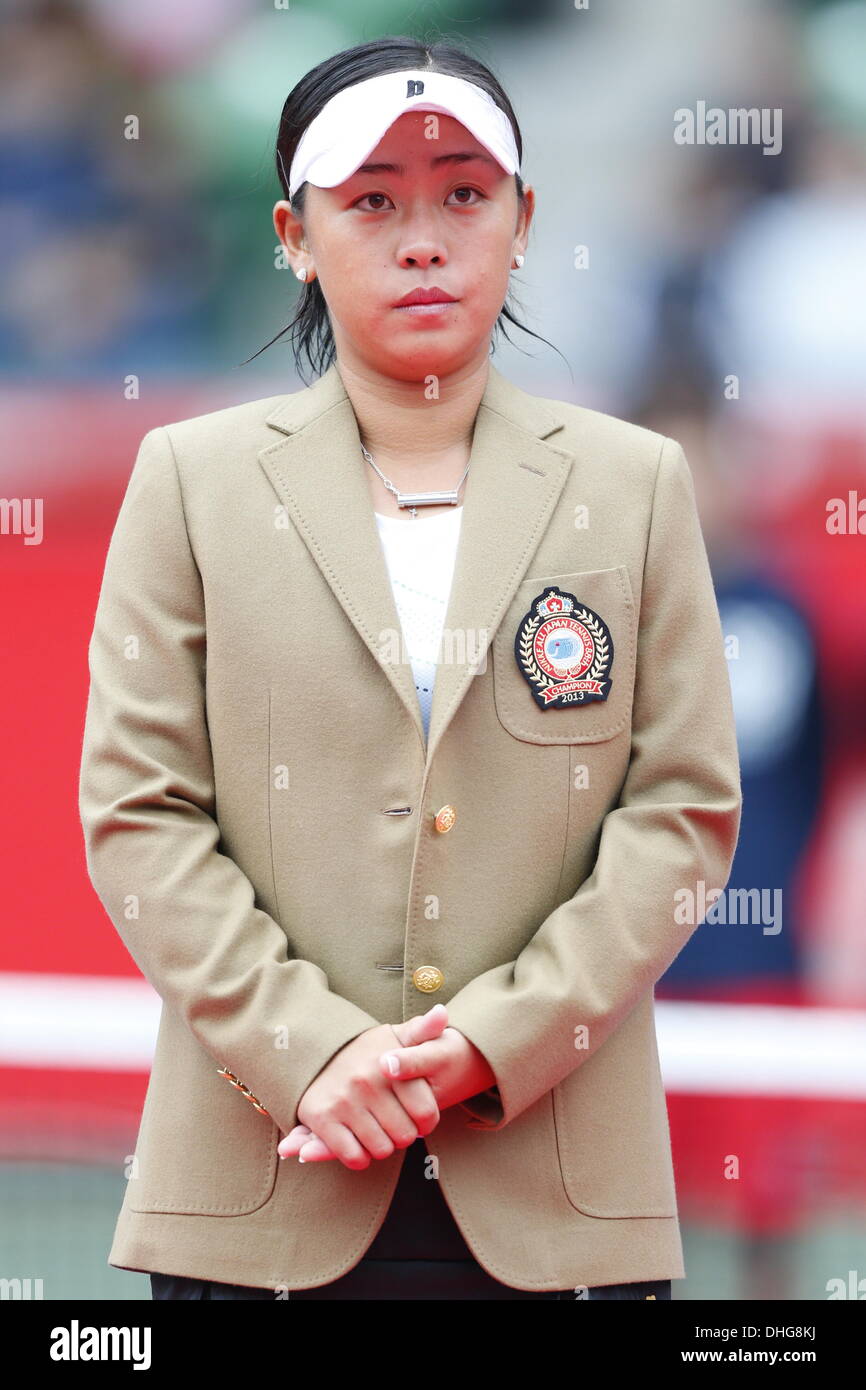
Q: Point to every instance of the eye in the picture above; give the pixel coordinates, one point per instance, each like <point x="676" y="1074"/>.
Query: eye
<point x="462" y="201"/>
<point x="464" y="188"/>
<point x="372" y="195"/>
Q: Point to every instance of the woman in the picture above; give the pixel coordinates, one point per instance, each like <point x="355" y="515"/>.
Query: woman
<point x="334" y="804"/>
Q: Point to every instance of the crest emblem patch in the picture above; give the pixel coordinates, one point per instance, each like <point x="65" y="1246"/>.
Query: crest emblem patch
<point x="564" y="650"/>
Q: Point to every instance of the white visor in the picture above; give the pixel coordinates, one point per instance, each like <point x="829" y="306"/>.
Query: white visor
<point x="351" y="124"/>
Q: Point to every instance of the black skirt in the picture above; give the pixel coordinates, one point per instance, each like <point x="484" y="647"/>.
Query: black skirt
<point x="418" y="1253"/>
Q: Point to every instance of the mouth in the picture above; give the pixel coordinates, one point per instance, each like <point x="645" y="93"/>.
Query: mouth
<point x="437" y="309"/>
<point x="425" y="301"/>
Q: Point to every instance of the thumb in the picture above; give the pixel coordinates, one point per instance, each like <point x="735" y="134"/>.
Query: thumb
<point x="425" y="1028"/>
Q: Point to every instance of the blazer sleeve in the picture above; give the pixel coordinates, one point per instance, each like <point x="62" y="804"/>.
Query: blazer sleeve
<point x="184" y="909"/>
<point x="676" y="822"/>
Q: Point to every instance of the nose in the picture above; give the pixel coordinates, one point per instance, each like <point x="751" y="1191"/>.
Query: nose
<point x="421" y="253"/>
<point x="421" y="243"/>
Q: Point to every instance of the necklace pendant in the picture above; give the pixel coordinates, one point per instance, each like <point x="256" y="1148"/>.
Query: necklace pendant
<point x="427" y="499"/>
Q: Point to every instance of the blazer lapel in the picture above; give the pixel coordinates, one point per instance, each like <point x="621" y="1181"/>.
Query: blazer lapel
<point x="514" y="481"/>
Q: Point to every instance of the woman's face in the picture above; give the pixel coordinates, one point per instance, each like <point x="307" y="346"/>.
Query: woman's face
<point x="446" y="215"/>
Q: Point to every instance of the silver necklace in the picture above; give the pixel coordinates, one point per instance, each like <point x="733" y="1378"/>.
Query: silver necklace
<point x="417" y="499"/>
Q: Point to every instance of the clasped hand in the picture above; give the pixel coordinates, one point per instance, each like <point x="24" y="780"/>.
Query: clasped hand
<point x="360" y="1107"/>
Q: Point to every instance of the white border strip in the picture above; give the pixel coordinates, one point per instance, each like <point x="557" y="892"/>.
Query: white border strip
<point x="762" y="1049"/>
<point x="75" y="1022"/>
<point x="90" y="1023"/>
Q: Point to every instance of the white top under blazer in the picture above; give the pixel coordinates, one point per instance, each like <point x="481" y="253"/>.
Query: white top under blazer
<point x="420" y="555"/>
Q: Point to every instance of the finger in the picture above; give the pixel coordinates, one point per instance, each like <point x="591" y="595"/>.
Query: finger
<point x="395" y="1121"/>
<point x="385" y="1126"/>
<point x="422" y="1029"/>
<point x="404" y="1063"/>
<point x="341" y="1144"/>
<point x="290" y="1144"/>
<point x="314" y="1150"/>
<point x="419" y="1100"/>
<point x="376" y="1132"/>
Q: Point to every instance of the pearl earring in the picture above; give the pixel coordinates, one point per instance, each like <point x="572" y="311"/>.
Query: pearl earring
<point x="302" y="273"/>
<point x="518" y="261"/>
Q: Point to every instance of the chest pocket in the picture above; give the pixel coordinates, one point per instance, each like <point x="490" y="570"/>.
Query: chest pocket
<point x="579" y="653"/>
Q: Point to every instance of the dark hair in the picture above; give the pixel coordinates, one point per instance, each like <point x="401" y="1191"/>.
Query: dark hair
<point x="310" y="328"/>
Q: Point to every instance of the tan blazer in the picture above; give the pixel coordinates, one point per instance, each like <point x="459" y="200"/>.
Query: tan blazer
<point x="289" y="864"/>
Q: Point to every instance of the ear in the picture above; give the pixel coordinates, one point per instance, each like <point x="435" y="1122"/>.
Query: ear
<point x="525" y="212"/>
<point x="290" y="231"/>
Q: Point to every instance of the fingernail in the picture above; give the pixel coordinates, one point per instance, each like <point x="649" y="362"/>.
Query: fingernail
<point x="393" y="1063"/>
<point x="301" y="1160"/>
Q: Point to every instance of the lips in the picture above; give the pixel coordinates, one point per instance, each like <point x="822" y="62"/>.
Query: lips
<point x="432" y="295"/>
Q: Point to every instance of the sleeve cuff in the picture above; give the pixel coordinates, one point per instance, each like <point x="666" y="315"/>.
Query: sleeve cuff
<point x="486" y="1107"/>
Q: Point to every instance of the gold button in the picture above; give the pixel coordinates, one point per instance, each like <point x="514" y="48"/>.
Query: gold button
<point x="444" y="819"/>
<point x="427" y="978"/>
